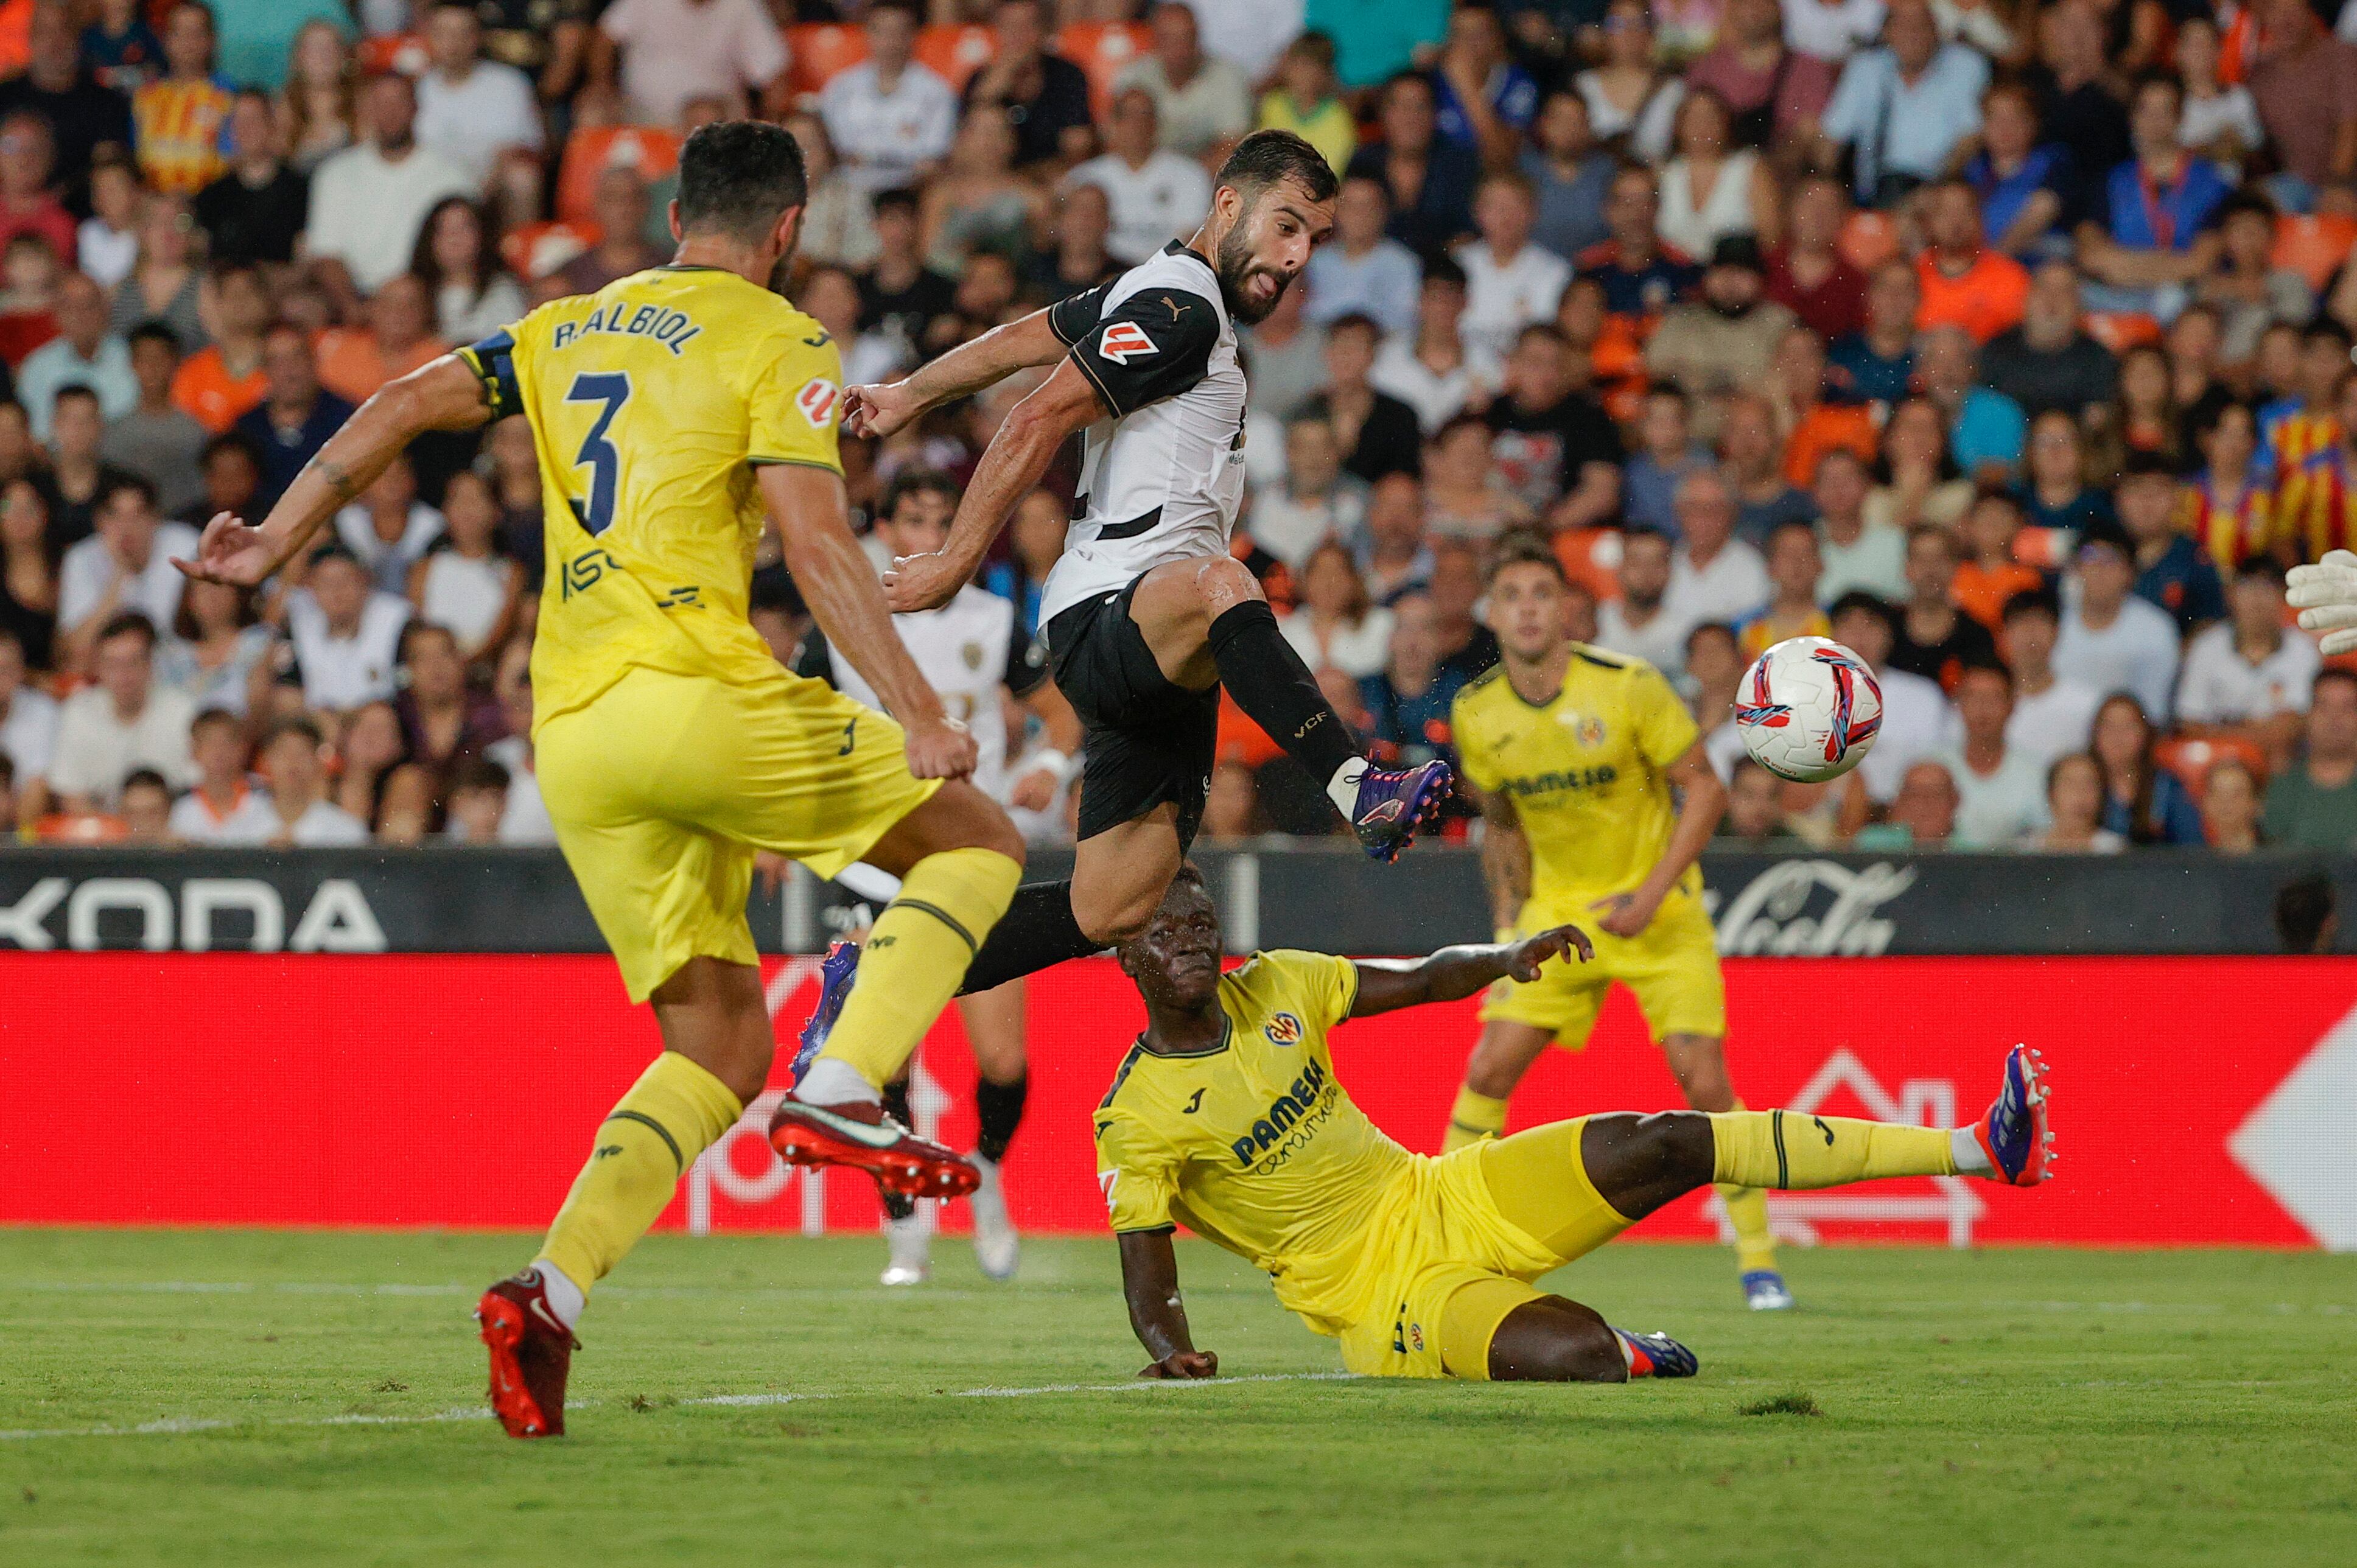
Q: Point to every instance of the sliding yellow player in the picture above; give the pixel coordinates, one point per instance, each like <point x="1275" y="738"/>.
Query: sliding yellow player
<point x="1573" y="753"/>
<point x="1226" y="1118"/>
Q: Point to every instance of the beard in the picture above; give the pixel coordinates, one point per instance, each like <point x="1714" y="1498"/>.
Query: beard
<point x="1236" y="271"/>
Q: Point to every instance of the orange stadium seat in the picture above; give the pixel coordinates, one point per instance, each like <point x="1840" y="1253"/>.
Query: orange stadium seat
<point x="1867" y="240"/>
<point x="403" y="52"/>
<point x="2315" y="246"/>
<point x="1104" y="50"/>
<point x="2121" y="330"/>
<point x="537" y="250"/>
<point x="955" y="52"/>
<point x="2191" y="760"/>
<point x="819" y="49"/>
<point x="1592" y="557"/>
<point x="593" y="149"/>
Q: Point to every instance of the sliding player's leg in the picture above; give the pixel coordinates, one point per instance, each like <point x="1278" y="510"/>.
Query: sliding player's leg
<point x="1208" y="619"/>
<point x="993" y="1029"/>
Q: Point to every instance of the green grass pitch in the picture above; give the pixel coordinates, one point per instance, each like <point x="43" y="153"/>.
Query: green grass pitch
<point x="2022" y="1407"/>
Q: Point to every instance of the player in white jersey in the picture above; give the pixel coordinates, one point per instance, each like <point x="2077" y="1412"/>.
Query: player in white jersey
<point x="974" y="654"/>
<point x="1148" y="615"/>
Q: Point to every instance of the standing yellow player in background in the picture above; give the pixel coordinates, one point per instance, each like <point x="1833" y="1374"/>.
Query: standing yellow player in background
<point x="1573" y="753"/>
<point x="674" y="411"/>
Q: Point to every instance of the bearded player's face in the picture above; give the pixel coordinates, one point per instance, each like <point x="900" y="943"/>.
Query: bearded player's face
<point x="1268" y="246"/>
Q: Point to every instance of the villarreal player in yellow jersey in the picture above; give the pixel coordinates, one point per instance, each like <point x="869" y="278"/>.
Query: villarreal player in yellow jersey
<point x="1578" y="758"/>
<point x="677" y="412"/>
<point x="1226" y="1118"/>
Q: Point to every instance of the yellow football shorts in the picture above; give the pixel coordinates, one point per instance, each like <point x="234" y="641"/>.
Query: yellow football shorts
<point x="1672" y="966"/>
<point x="1488" y="1220"/>
<point x="663" y="789"/>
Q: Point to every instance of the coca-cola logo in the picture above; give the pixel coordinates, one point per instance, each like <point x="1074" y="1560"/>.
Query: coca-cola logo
<point x="1811" y="908"/>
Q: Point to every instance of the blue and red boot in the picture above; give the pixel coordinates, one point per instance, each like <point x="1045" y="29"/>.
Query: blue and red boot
<point x="1657" y="1355"/>
<point x="2014" y="1135"/>
<point x="1392" y="808"/>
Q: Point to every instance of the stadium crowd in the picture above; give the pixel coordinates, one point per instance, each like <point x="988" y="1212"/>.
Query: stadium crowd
<point x="2007" y="343"/>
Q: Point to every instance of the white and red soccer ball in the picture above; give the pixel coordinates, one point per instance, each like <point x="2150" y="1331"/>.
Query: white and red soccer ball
<point x="1808" y="709"/>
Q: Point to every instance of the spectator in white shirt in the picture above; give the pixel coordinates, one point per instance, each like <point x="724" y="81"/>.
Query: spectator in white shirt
<point x="1639" y="623"/>
<point x="2001" y="793"/>
<point x="388" y="528"/>
<point x="1917" y="721"/>
<point x="2113" y="641"/>
<point x="121" y="723"/>
<point x="1713" y="575"/>
<point x="471" y="110"/>
<point x="1830" y="29"/>
<point x="82" y="354"/>
<point x="1317" y="500"/>
<point x="671" y="50"/>
<point x="369" y="202"/>
<point x="223" y="807"/>
<point x="301" y="814"/>
<point x="2051" y="717"/>
<point x="1364" y="271"/>
<point x="1156" y="196"/>
<point x="126" y="564"/>
<point x="2246" y="678"/>
<point x="1857" y="553"/>
<point x="1510" y="282"/>
<point x="347" y="637"/>
<point x="2075" y="810"/>
<point x="1432" y="369"/>
<point x="1336" y="625"/>
<point x="1204" y="103"/>
<point x="891" y="119"/>
<point x="28" y="722"/>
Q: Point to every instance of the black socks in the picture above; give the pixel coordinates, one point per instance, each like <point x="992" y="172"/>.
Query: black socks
<point x="999" y="1107"/>
<point x="1037" y="931"/>
<point x="1277" y="691"/>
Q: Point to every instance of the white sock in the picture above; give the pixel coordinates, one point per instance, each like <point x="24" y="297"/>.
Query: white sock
<point x="1966" y="1149"/>
<point x="834" y="1081"/>
<point x="564" y="1298"/>
<point x="1343" y="788"/>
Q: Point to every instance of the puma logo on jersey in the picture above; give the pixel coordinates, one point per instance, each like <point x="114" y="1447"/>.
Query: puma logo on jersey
<point x="1124" y="341"/>
<point x="1175" y="309"/>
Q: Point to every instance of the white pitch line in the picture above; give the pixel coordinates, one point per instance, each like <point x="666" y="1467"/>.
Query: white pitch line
<point x="175" y="1426"/>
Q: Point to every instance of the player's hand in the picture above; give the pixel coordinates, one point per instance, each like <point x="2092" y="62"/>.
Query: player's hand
<point x="232" y="552"/>
<point x="942" y="748"/>
<point x="769" y="871"/>
<point x="877" y="411"/>
<point x="1035" y="792"/>
<point x="1626" y="915"/>
<point x="922" y="582"/>
<point x="1524" y="958"/>
<point x="1185" y="1365"/>
<point x="2326" y="597"/>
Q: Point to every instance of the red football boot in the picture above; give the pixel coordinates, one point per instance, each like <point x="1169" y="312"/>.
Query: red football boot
<point x="531" y="1352"/>
<point x="864" y="1137"/>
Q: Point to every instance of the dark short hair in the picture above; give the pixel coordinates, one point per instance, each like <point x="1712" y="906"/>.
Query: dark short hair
<point x="214" y="717"/>
<point x="336" y="550"/>
<point x="152" y="331"/>
<point x="737" y="177"/>
<point x="2040" y="601"/>
<point x="116" y="484"/>
<point x="1266" y="157"/>
<point x="1524" y="547"/>
<point x="294" y="724"/>
<point x="1632" y="535"/>
<point x="2332" y="674"/>
<point x="75" y="389"/>
<point x="2304" y="907"/>
<point x="480" y="773"/>
<point x="918" y="482"/>
<point x="1355" y="321"/>
<point x="898" y="199"/>
<point x="1438" y="268"/>
<point x="2260" y="568"/>
<point x="1858" y="599"/>
<point x="145" y="778"/>
<point x="1713" y="629"/>
<point x="235" y="441"/>
<point x="127" y="622"/>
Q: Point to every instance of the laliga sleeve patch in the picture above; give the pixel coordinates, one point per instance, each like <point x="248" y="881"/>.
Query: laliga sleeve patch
<point x="1104" y="1185"/>
<point x="1124" y="341"/>
<point x="816" y="401"/>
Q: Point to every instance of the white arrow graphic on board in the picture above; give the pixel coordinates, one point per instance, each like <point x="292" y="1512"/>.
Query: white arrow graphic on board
<point x="2296" y="1143"/>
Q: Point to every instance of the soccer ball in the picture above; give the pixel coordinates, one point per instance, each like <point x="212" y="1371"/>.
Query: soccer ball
<point x="1808" y="709"/>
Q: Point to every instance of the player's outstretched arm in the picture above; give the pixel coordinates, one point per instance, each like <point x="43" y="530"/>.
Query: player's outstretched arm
<point x="1010" y="469"/>
<point x="812" y="516"/>
<point x="1703" y="801"/>
<point x="442" y="395"/>
<point x="880" y="411"/>
<point x="1385" y="985"/>
<point x="1150" y="1282"/>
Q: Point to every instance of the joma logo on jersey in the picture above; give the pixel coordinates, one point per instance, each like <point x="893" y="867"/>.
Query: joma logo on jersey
<point x="1124" y="341"/>
<point x="675" y="329"/>
<point x="1282" y="1112"/>
<point x="1285" y="1029"/>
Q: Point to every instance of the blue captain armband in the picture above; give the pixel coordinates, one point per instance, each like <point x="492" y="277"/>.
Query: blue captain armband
<point x="493" y="363"/>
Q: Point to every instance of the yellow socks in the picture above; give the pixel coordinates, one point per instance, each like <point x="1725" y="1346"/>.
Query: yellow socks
<point x="916" y="957"/>
<point x="1788" y="1150"/>
<point x="1473" y="1118"/>
<point x="1747" y="1211"/>
<point x="675" y="1112"/>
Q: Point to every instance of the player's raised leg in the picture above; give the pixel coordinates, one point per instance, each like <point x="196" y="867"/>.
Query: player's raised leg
<point x="1698" y="1061"/>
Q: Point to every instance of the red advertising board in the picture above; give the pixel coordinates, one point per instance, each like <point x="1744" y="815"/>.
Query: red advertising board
<point x="2195" y="1097"/>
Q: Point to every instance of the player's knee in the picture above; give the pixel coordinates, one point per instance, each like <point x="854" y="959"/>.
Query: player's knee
<point x="1680" y="1146"/>
<point x="1553" y="1340"/>
<point x="1223" y="581"/>
<point x="1116" y="916"/>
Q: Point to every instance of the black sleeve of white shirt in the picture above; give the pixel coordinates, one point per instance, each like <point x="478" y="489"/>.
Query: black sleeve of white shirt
<point x="1026" y="663"/>
<point x="1157" y="343"/>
